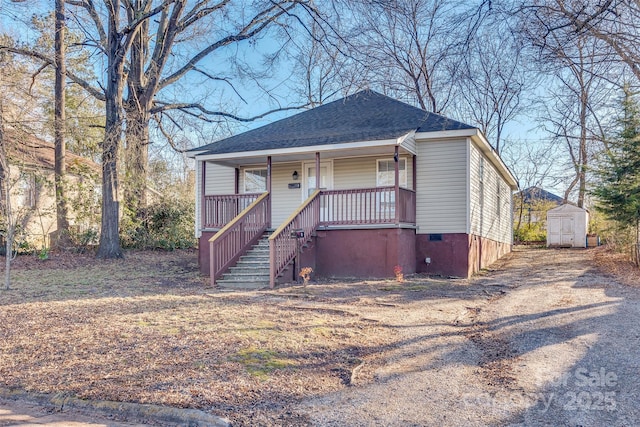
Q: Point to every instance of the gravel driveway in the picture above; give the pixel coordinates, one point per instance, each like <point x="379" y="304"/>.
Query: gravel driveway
<point x="543" y="338"/>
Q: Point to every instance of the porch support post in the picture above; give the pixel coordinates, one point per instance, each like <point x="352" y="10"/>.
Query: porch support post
<point x="236" y="187"/>
<point x="397" y="185"/>
<point x="317" y="171"/>
<point x="203" y="191"/>
<point x="415" y="185"/>
<point x="269" y="191"/>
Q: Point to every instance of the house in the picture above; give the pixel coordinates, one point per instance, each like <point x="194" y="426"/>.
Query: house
<point x="352" y="188"/>
<point x="31" y="179"/>
<point x="532" y="204"/>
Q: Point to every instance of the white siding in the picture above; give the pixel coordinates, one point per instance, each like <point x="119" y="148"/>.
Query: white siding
<point x="219" y="179"/>
<point x="360" y="172"/>
<point x="441" y="186"/>
<point x="410" y="144"/>
<point x="487" y="219"/>
<point x="354" y="173"/>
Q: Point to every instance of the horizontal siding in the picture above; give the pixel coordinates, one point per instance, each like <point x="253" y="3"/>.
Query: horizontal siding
<point x="442" y="187"/>
<point x="409" y="144"/>
<point x="219" y="179"/>
<point x="285" y="200"/>
<point x="360" y="172"/>
<point x="354" y="173"/>
<point x="488" y="219"/>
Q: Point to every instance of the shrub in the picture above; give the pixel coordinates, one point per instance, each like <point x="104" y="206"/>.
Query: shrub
<point x="165" y="224"/>
<point x="534" y="232"/>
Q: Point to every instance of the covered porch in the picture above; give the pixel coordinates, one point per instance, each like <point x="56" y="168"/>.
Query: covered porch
<point x="293" y="209"/>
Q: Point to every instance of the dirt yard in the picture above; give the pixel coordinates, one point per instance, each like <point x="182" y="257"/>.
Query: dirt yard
<point x="545" y="337"/>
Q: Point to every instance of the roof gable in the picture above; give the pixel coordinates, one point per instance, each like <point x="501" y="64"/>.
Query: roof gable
<point x="364" y="116"/>
<point x="565" y="208"/>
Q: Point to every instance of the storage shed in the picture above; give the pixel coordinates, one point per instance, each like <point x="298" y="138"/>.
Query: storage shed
<point x="567" y="226"/>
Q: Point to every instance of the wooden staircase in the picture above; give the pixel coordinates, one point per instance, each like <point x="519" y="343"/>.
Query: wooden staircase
<point x="252" y="269"/>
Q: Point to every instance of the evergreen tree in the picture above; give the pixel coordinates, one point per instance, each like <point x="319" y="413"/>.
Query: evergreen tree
<point x="618" y="192"/>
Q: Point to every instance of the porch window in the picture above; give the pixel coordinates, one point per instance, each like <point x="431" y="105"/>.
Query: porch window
<point x="386" y="177"/>
<point x="387" y="172"/>
<point x="255" y="180"/>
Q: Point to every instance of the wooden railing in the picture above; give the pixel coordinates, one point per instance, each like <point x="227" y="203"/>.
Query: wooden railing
<point x="367" y="206"/>
<point x="235" y="238"/>
<point x="283" y="248"/>
<point x="407" y="206"/>
<point x="219" y="210"/>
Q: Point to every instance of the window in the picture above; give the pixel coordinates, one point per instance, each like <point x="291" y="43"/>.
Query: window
<point x="27" y="191"/>
<point x="498" y="200"/>
<point x="387" y="171"/>
<point x="255" y="180"/>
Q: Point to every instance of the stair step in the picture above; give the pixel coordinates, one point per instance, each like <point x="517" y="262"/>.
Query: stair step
<point x="243" y="284"/>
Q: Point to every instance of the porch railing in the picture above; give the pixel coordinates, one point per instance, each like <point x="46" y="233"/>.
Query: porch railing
<point x="283" y="245"/>
<point x="367" y="206"/>
<point x="235" y="238"/>
<point x="219" y="210"/>
<point x="407" y="206"/>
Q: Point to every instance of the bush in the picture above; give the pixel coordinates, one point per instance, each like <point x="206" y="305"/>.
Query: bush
<point x="166" y="224"/>
<point x="533" y="232"/>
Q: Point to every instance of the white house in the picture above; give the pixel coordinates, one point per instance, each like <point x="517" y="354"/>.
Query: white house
<point x="366" y="183"/>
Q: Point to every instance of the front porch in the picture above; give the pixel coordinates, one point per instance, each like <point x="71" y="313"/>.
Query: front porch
<point x="336" y="232"/>
<point x="231" y="223"/>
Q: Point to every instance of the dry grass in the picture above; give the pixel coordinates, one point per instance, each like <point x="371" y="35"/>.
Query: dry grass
<point x="148" y="330"/>
<point x="617" y="264"/>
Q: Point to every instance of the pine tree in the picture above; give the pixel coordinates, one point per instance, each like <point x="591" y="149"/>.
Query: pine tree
<point x="618" y="193"/>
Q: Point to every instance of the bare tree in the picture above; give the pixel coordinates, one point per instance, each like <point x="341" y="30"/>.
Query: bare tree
<point x="150" y="46"/>
<point x="5" y="203"/>
<point x="493" y="80"/>
<point x="62" y="210"/>
<point x="582" y="75"/>
<point x="412" y="48"/>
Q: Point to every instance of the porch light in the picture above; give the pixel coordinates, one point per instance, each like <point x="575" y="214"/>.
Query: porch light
<point x="294" y="175"/>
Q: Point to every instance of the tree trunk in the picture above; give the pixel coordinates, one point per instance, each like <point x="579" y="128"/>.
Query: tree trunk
<point x="62" y="211"/>
<point x="136" y="157"/>
<point x="5" y="203"/>
<point x="109" y="246"/>
<point x="582" y="179"/>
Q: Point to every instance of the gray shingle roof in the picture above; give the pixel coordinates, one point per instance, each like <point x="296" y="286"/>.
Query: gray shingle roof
<point x="364" y="116"/>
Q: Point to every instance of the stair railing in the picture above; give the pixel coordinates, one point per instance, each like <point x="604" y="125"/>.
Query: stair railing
<point x="235" y="238"/>
<point x="295" y="231"/>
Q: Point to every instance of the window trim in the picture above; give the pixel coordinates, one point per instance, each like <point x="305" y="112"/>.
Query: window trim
<point x="244" y="178"/>
<point x="390" y="159"/>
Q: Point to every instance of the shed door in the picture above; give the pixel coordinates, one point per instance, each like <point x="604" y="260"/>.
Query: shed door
<point x="554" y="225"/>
<point x="567" y="231"/>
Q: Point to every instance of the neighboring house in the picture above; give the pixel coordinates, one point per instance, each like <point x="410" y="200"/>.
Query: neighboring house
<point x="532" y="204"/>
<point x="31" y="164"/>
<point x="365" y="183"/>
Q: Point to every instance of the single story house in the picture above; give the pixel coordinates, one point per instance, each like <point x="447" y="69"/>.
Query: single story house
<point x="352" y="188"/>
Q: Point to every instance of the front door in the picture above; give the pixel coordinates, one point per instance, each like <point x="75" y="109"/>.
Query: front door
<point x="326" y="183"/>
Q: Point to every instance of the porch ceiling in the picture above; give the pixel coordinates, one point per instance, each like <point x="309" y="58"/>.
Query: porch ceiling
<point x="260" y="158"/>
